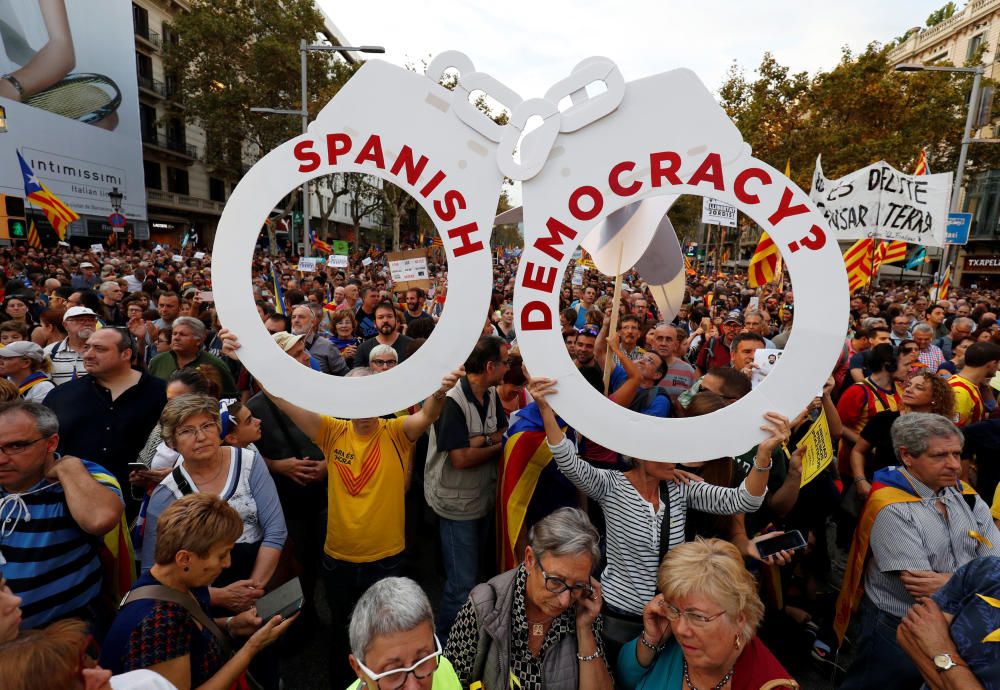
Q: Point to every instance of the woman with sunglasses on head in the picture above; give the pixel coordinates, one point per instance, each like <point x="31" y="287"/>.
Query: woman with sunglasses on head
<point x="392" y="638"/>
<point x="538" y="625"/>
<point x="191" y="424"/>
<point x="700" y="630"/>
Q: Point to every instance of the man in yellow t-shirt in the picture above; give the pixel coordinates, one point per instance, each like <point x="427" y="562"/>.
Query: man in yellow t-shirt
<point x="368" y="464"/>
<point x="980" y="364"/>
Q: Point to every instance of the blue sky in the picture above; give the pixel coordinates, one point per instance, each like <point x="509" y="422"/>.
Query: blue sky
<point x="531" y="45"/>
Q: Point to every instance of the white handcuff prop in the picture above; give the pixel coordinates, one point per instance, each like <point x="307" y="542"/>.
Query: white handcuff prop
<point x="614" y="162"/>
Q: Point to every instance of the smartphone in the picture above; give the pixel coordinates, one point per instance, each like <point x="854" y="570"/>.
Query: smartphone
<point x="138" y="467"/>
<point x="789" y="541"/>
<point x="285" y="601"/>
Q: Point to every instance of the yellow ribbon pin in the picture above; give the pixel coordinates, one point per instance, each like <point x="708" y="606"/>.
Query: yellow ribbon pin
<point x="980" y="538"/>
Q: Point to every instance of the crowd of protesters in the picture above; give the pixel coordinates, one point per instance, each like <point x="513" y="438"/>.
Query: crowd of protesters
<point x="151" y="491"/>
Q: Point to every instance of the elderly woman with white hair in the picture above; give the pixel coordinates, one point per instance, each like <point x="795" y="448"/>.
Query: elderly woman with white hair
<point x="392" y="637"/>
<point x="538" y="625"/>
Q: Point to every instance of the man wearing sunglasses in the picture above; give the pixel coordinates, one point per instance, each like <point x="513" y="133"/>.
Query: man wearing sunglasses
<point x="56" y="509"/>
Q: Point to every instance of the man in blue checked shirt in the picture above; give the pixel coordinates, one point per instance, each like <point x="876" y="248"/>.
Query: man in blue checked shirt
<point x="53" y="512"/>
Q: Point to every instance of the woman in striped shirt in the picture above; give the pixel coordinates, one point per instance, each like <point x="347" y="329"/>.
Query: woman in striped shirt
<point x="646" y="507"/>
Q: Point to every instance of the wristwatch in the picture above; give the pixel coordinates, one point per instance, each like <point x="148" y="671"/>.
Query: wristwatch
<point x="488" y="441"/>
<point x="944" y="662"/>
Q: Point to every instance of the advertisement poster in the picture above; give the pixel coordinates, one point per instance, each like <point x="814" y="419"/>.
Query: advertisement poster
<point x="72" y="106"/>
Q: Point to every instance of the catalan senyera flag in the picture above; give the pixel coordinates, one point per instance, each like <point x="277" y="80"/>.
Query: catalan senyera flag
<point x="33" y="239"/>
<point x="765" y="264"/>
<point x="586" y="261"/>
<point x="879" y="255"/>
<point x="117" y="554"/>
<point x="437" y="241"/>
<point x="858" y="262"/>
<point x="895" y="252"/>
<point x="58" y="213"/>
<point x="525" y="455"/>
<point x="922" y="168"/>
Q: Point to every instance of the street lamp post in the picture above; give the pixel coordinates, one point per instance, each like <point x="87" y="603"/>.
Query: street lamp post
<point x="303" y="112"/>
<point x="963" y="152"/>
<point x="116" y="198"/>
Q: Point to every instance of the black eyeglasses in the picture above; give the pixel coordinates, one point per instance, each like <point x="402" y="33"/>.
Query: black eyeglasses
<point x="18" y="447"/>
<point x="908" y="350"/>
<point x="557" y="585"/>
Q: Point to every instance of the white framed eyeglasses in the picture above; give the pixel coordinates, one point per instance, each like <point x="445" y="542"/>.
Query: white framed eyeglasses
<point x="394" y="679"/>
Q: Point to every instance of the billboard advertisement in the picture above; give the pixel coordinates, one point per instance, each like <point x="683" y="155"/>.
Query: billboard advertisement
<point x="69" y="89"/>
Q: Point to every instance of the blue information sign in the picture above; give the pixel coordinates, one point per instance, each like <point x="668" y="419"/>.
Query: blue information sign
<point x="957" y="231"/>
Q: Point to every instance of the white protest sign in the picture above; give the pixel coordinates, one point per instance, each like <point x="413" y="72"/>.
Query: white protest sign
<point x="63" y="244"/>
<point x="880" y="201"/>
<point x="97" y="248"/>
<point x="667" y="137"/>
<point x="715" y="212"/>
<point x="412" y="268"/>
<point x="307" y="264"/>
<point x="577" y="278"/>
<point x="199" y="255"/>
<point x="367" y="261"/>
<point x="764" y="360"/>
<point x="177" y="258"/>
<point x="337" y="261"/>
<point x="409" y="130"/>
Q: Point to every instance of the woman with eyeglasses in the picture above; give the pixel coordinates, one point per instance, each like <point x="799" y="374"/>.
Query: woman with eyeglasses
<point x="191" y="425"/>
<point x="538" y="625"/>
<point x="392" y="638"/>
<point x="700" y="630"/>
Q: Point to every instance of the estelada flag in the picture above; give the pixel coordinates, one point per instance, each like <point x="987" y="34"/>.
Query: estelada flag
<point x="58" y="213"/>
<point x="765" y="264"/>
<point x="525" y="455"/>
<point x="858" y="262"/>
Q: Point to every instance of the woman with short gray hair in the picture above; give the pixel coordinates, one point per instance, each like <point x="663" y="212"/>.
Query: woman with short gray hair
<point x="538" y="625"/>
<point x="392" y="636"/>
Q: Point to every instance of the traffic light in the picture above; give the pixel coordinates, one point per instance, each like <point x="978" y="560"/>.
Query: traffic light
<point x="13" y="224"/>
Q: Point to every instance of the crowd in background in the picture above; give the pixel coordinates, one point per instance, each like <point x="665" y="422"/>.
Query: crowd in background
<point x="151" y="491"/>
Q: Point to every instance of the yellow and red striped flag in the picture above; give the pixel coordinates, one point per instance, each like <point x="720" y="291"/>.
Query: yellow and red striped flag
<point x="765" y="264"/>
<point x="437" y="242"/>
<point x="34" y="240"/>
<point x="895" y="252"/>
<point x="58" y="213"/>
<point x="940" y="290"/>
<point x="858" y="262"/>
<point x="922" y="167"/>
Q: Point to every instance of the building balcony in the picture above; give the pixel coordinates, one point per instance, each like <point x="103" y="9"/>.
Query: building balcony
<point x="171" y="146"/>
<point x="919" y="41"/>
<point x="148" y="38"/>
<point x="152" y="87"/>
<point x="183" y="202"/>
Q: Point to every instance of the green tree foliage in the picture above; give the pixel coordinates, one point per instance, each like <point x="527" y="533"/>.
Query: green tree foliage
<point x="942" y="14"/>
<point x="232" y="55"/>
<point x="859" y="112"/>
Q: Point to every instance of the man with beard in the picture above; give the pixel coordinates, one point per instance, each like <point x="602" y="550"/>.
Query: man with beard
<point x="326" y="353"/>
<point x="67" y="354"/>
<point x="387" y="333"/>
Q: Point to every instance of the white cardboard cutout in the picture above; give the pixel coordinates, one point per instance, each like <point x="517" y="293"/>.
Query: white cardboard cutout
<point x="671" y="124"/>
<point x="388" y="115"/>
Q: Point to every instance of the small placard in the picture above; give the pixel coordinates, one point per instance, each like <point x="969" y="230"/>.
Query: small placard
<point x="177" y="258"/>
<point x="337" y="261"/>
<point x="367" y="261"/>
<point x="97" y="248"/>
<point x="307" y="264"/>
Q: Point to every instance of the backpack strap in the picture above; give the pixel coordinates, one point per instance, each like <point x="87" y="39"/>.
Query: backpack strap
<point x="183" y="485"/>
<point x="187" y="602"/>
